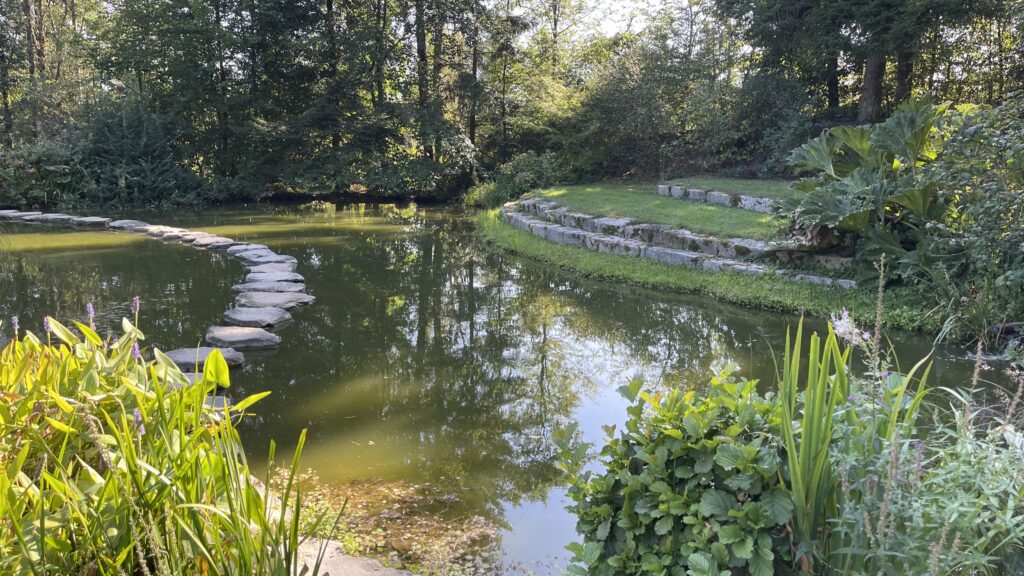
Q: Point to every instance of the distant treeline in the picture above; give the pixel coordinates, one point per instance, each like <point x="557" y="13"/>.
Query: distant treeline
<point x="153" y="101"/>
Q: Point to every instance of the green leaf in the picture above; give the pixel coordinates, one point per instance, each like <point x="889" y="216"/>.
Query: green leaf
<point x="778" y="504"/>
<point x="716" y="503"/>
<point x="731" y="456"/>
<point x="730" y="533"/>
<point x="664" y="526"/>
<point x="744" y="548"/>
<point x="761" y="566"/>
<point x="215" y="370"/>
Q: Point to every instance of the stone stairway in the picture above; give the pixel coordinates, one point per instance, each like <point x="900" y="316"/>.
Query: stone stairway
<point x="742" y="201"/>
<point x="677" y="247"/>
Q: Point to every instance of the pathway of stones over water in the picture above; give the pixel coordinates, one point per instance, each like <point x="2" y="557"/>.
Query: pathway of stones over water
<point x="263" y="303"/>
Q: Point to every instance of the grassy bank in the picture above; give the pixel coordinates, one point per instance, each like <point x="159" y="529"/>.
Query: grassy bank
<point x="642" y="202"/>
<point x="764" y="188"/>
<point x="768" y="292"/>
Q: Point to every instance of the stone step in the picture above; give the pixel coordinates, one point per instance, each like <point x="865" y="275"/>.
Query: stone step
<point x="292" y="287"/>
<point x="127" y="224"/>
<point x="617" y="245"/>
<point x="90" y="221"/>
<point x="242" y="337"/>
<point x="273" y="267"/>
<point x="213" y="242"/>
<point x="267" y="318"/>
<point x="23" y="215"/>
<point x="680" y="238"/>
<point x="274" y="277"/>
<point x="281" y="300"/>
<point x="193" y="359"/>
<point x="244" y="247"/>
<point x="742" y="201"/>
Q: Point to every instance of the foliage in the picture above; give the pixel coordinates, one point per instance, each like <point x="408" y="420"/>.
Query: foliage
<point x="113" y="465"/>
<point x="690" y="487"/>
<point x="522" y="174"/>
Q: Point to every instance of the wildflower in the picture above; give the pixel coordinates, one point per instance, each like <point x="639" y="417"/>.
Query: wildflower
<point x="136" y="353"/>
<point x="46" y="325"/>
<point x="140" y="426"/>
<point x="865" y="336"/>
<point x="136" y="304"/>
<point x="885" y="374"/>
<point x="845" y="328"/>
<point x="91" y="313"/>
<point x="15" y="324"/>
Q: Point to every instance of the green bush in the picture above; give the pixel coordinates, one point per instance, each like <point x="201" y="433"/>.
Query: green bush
<point x="692" y="486"/>
<point x="113" y="465"/>
<point x="518" y="176"/>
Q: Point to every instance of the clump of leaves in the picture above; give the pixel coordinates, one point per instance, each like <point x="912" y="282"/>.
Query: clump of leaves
<point x="691" y="487"/>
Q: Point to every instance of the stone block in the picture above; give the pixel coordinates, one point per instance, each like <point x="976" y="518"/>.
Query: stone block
<point x="697" y="194"/>
<point x="663" y="190"/>
<point x="755" y="203"/>
<point x="679" y="192"/>
<point x="673" y="257"/>
<point x="720" y="198"/>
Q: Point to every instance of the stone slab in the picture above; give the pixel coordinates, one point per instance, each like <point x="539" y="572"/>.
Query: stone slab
<point x="266" y="318"/>
<point x="211" y="241"/>
<point x="186" y="358"/>
<point x="282" y="300"/>
<point x="242" y="337"/>
<point x="23" y="215"/>
<point x="268" y="268"/>
<point x="51" y="218"/>
<point x="189" y="237"/>
<point x="674" y="257"/>
<point x="289" y="287"/>
<point x="245" y="247"/>
<point x="91" y="221"/>
<point x="128" y="224"/>
<point x="274" y="277"/>
<point x="265" y="259"/>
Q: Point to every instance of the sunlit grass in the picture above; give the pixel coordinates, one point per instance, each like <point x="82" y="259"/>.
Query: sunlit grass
<point x="642" y="203"/>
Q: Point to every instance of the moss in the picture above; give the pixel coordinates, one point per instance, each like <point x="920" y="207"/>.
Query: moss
<point x="769" y="292"/>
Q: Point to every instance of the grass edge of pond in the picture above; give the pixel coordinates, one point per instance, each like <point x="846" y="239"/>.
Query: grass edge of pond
<point x="765" y="292"/>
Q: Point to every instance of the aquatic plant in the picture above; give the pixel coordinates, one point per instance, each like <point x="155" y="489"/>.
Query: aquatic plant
<point x="114" y="465"/>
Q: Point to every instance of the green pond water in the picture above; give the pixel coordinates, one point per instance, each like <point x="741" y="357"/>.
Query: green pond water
<point x="427" y="357"/>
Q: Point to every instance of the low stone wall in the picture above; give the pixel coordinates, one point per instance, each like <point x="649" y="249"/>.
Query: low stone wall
<point x="263" y="303"/>
<point x="680" y="238"/>
<point x="595" y="238"/>
<point x="754" y="203"/>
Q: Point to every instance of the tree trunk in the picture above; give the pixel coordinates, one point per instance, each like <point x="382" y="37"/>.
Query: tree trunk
<point x="5" y="98"/>
<point x="832" y="84"/>
<point x="422" y="79"/>
<point x="30" y="37"/>
<point x="475" y="71"/>
<point x="332" y="68"/>
<point x="871" y="90"/>
<point x="904" y="75"/>
<point x="40" y="39"/>
<point x="435" y="106"/>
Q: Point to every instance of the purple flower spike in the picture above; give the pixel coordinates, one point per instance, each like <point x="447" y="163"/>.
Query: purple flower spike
<point x="136" y="304"/>
<point x="91" y="313"/>
<point x="885" y="374"/>
<point x="140" y="426"/>
<point x="136" y="353"/>
<point x="46" y="325"/>
<point x="14" y="322"/>
<point x="866" y="336"/>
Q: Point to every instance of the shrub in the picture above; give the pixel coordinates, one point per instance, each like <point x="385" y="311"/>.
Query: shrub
<point x="690" y="487"/>
<point x="518" y="176"/>
<point x="112" y="465"/>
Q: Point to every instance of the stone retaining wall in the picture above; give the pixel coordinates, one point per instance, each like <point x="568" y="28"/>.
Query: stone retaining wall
<point x="753" y="203"/>
<point x="592" y="233"/>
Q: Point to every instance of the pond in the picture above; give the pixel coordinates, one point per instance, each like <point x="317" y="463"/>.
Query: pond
<point x="427" y="357"/>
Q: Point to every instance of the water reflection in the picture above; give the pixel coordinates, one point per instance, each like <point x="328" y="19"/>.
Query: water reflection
<point x="426" y="358"/>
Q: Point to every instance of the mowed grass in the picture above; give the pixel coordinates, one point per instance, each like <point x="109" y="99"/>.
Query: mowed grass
<point x="768" y="292"/>
<point x="766" y="188"/>
<point x="641" y="202"/>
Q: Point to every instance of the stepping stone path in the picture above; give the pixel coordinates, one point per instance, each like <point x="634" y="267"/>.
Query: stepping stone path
<point x="677" y="247"/>
<point x="266" y="318"/>
<point x="270" y="290"/>
<point x="242" y="337"/>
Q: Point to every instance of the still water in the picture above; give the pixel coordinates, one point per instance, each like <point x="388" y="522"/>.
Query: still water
<point x="427" y="357"/>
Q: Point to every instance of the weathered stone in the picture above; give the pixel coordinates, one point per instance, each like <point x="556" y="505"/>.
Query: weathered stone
<point x="540" y="228"/>
<point x="208" y="241"/>
<point x="242" y="337"/>
<point x="268" y="268"/>
<point x="51" y="218"/>
<point x="175" y="234"/>
<point x="268" y="287"/>
<point x="748" y="248"/>
<point x="816" y="279"/>
<point x="697" y="194"/>
<point x="609" y="225"/>
<point x="282" y="300"/>
<point x="755" y="203"/>
<point x="674" y="257"/>
<point x="245" y="247"/>
<point x="189" y="237"/>
<point x="193" y="359"/>
<point x="5" y="214"/>
<point x="566" y="235"/>
<point x="846" y="283"/>
<point x="330" y="556"/>
<point x="832" y="262"/>
<point x="267" y="318"/>
<point x="608" y="244"/>
<point x="678" y="192"/>
<point x="23" y="215"/>
<point x="156" y="230"/>
<point x="650" y="233"/>
<point x="720" y="198"/>
<point x="556" y="214"/>
<point x="127" y="224"/>
<point x="575" y="219"/>
<point x="274" y="277"/>
<point x="91" y="221"/>
<point x="267" y="259"/>
<point x="664" y="190"/>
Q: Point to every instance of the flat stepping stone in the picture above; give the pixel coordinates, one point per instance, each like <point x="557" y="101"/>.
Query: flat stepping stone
<point x="244" y="247"/>
<point x="262" y="258"/>
<point x="242" y="337"/>
<point x="193" y="359"/>
<point x="9" y="213"/>
<point x="266" y="318"/>
<point x="23" y="215"/>
<point x="291" y="287"/>
<point x="175" y="234"/>
<point x="208" y="241"/>
<point x="156" y="230"/>
<point x="282" y="300"/>
<point x="274" y="277"/>
<point x="267" y="268"/>
<point x="91" y="221"/>
<point x="51" y="218"/>
<point x="128" y="224"/>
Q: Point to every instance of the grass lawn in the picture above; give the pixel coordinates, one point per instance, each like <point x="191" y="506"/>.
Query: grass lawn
<point x="641" y="202"/>
<point x="766" y="188"/>
<point x="768" y="292"/>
